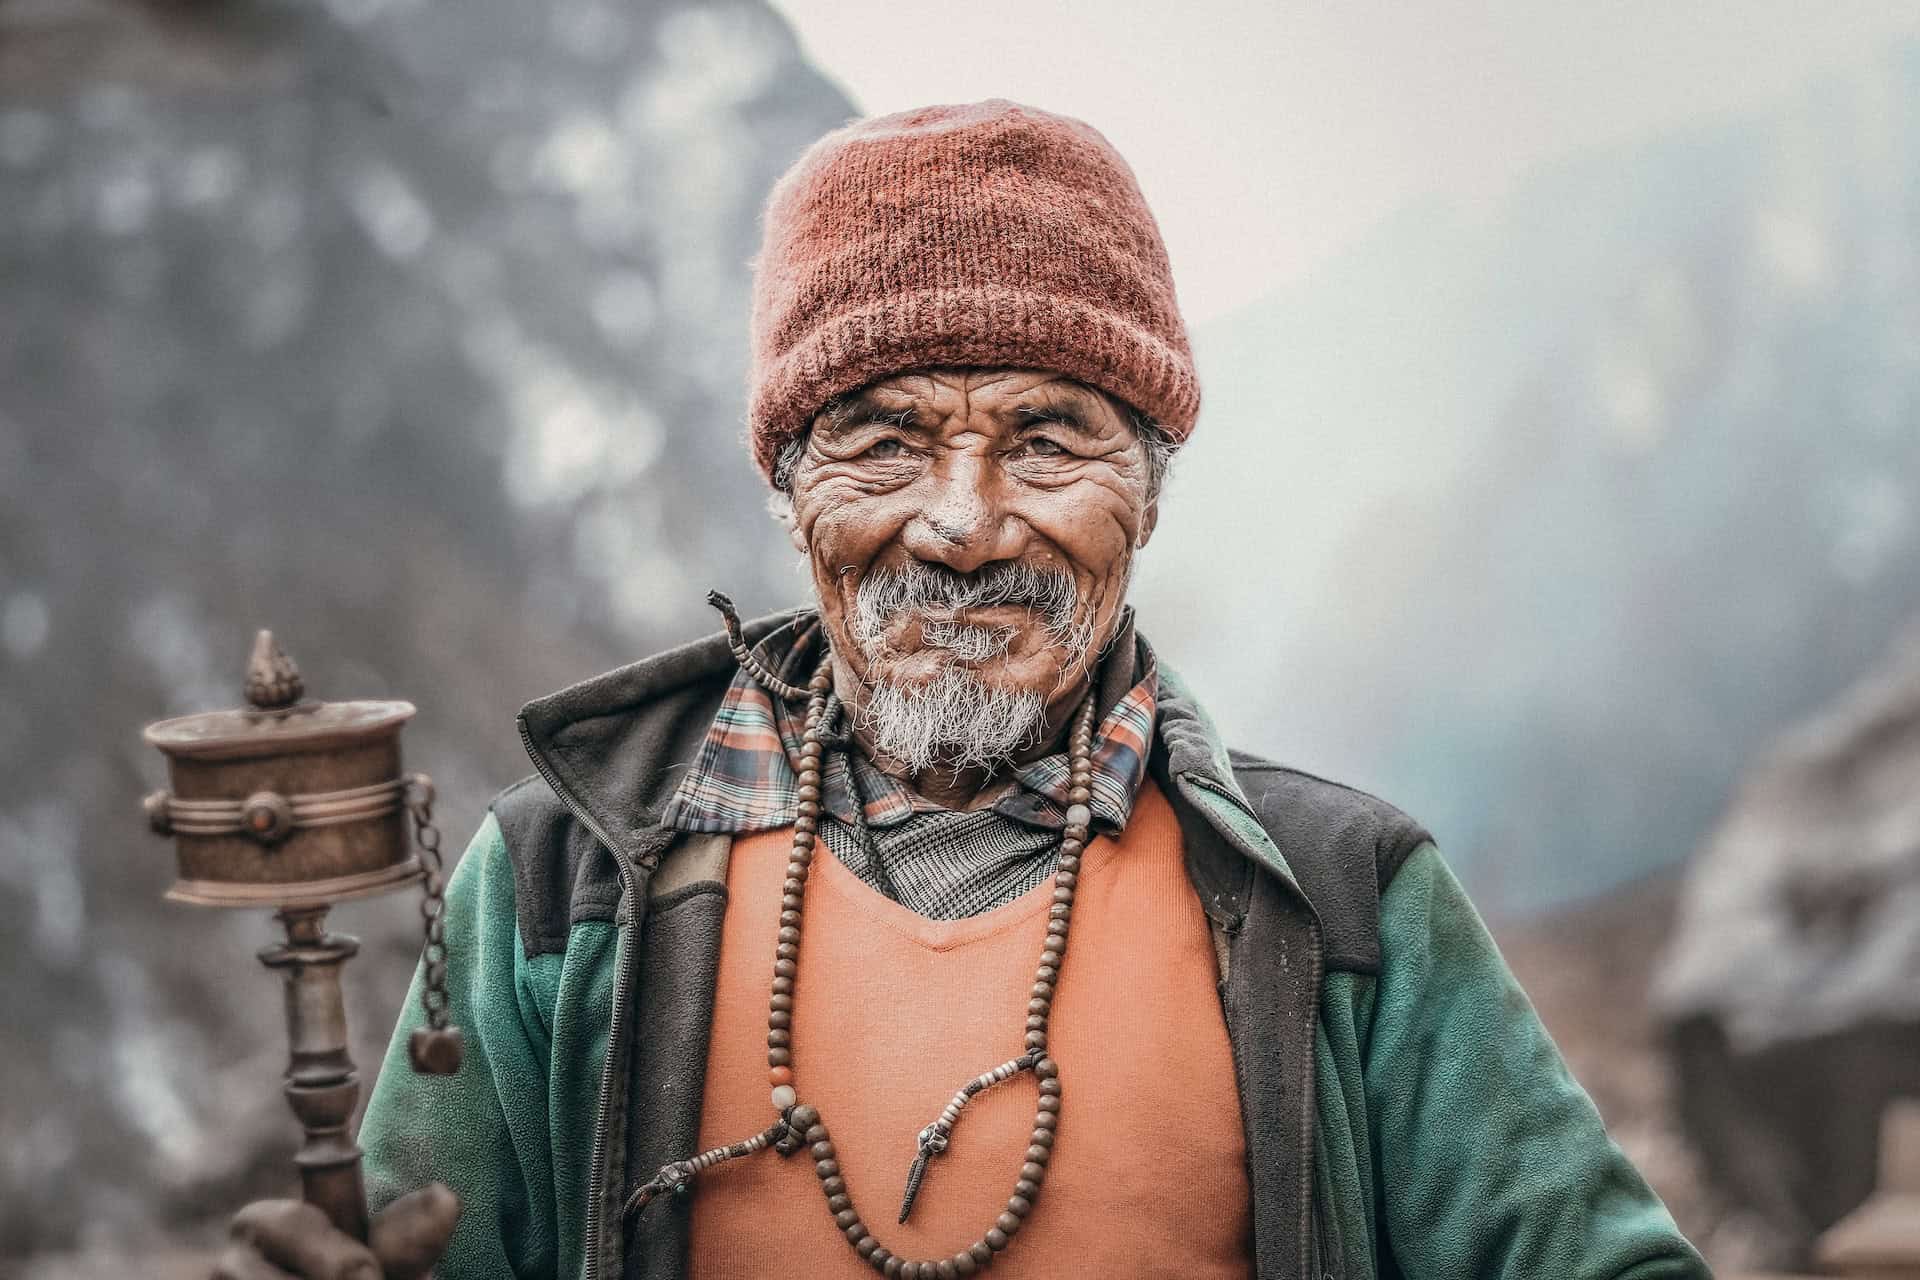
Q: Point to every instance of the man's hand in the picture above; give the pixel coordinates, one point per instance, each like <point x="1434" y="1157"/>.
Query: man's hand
<point x="292" y="1240"/>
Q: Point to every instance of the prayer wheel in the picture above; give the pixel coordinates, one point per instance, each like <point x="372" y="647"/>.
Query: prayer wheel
<point x="296" y="805"/>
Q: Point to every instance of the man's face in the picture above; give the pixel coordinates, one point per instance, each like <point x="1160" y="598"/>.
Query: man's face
<point x="970" y="534"/>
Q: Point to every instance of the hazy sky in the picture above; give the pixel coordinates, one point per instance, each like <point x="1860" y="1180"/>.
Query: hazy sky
<point x="1267" y="135"/>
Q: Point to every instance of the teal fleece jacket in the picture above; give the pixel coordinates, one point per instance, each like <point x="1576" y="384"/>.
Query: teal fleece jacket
<point x="1443" y="1134"/>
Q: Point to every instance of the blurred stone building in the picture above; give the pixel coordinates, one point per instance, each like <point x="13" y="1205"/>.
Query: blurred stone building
<point x="1791" y="989"/>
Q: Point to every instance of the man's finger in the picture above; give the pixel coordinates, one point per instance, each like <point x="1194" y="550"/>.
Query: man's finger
<point x="241" y="1262"/>
<point x="297" y="1237"/>
<point x="411" y="1234"/>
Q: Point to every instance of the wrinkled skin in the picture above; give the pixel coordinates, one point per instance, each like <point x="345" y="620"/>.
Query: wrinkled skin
<point x="282" y="1239"/>
<point x="961" y="467"/>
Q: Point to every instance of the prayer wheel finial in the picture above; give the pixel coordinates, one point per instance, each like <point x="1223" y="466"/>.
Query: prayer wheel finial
<point x="273" y="681"/>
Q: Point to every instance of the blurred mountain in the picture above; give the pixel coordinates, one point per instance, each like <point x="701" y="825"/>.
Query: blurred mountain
<point x="416" y="332"/>
<point x="1548" y="517"/>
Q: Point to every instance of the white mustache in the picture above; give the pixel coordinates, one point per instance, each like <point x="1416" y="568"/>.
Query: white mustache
<point x="921" y="588"/>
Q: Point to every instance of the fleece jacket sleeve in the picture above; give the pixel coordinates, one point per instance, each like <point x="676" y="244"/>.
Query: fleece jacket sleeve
<point x="1492" y="1161"/>
<point x="484" y="1130"/>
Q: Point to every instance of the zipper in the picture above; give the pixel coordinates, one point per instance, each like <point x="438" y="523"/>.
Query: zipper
<point x="1309" y="1103"/>
<point x="1329" y="1254"/>
<point x="1307" y="1228"/>
<point x="623" y="980"/>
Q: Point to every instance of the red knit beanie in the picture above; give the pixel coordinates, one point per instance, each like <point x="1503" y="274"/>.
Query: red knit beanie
<point x="986" y="234"/>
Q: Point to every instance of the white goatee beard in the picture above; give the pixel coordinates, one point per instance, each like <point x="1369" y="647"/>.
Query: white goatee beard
<point x="957" y="720"/>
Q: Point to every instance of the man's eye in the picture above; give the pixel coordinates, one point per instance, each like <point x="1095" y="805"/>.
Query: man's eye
<point x="1044" y="447"/>
<point x="882" y="450"/>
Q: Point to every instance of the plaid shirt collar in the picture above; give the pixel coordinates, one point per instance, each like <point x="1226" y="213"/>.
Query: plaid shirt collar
<point x="743" y="779"/>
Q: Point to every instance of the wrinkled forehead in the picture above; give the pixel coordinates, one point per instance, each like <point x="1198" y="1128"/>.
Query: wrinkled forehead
<point x="941" y="391"/>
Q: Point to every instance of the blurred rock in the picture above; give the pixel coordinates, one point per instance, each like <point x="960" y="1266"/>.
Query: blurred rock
<point x="414" y="332"/>
<point x="1789" y="989"/>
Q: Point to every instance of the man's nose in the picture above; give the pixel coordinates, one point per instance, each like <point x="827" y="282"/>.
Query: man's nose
<point x="961" y="526"/>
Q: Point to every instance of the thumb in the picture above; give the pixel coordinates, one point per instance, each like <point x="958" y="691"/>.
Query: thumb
<point x="409" y="1235"/>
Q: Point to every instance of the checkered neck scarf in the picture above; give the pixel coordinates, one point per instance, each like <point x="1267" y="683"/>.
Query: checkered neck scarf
<point x="941" y="863"/>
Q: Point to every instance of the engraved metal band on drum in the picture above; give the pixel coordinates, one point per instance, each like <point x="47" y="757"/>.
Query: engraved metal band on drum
<point x="269" y="817"/>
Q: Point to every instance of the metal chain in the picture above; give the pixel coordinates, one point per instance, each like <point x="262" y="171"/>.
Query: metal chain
<point x="433" y="904"/>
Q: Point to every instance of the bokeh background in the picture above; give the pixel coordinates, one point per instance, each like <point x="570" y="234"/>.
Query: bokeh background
<point x="1559" y="479"/>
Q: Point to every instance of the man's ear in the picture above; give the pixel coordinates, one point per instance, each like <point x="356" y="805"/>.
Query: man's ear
<point x="1149" y="520"/>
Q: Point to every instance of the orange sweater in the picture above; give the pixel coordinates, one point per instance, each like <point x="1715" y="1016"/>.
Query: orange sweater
<point x="894" y="1012"/>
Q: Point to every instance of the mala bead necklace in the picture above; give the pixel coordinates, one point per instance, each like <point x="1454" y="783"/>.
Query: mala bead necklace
<point x="800" y="1126"/>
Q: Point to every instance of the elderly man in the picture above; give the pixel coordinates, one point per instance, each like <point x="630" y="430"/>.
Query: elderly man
<point x="933" y="928"/>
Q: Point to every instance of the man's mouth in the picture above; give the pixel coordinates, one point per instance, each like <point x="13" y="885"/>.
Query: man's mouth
<point x="979" y="615"/>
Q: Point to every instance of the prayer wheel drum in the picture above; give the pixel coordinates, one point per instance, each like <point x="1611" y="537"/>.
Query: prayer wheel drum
<point x="285" y="802"/>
